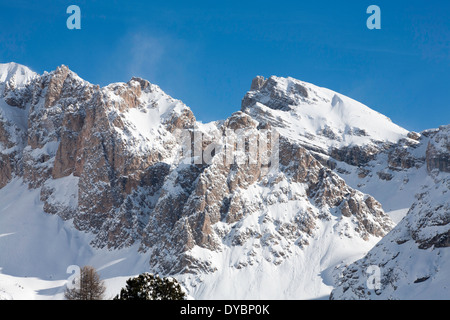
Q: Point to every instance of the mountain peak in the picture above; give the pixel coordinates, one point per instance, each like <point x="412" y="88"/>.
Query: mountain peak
<point x="16" y="74"/>
<point x="257" y="83"/>
<point x="306" y="110"/>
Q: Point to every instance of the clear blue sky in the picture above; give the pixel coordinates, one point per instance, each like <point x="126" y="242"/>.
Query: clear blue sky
<point x="206" y="53"/>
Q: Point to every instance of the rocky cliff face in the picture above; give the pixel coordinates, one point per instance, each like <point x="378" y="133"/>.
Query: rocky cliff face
<point x="438" y="150"/>
<point x="132" y="166"/>
<point x="412" y="260"/>
<point x="406" y="171"/>
<point x="116" y="151"/>
<point x="74" y="130"/>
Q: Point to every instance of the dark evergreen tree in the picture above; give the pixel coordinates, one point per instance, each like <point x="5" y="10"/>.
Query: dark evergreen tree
<point x="147" y="286"/>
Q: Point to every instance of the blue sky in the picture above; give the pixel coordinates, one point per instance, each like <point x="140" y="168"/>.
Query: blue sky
<point x="206" y="53"/>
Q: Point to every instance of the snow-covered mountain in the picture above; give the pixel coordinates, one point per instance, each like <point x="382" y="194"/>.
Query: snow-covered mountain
<point x="319" y="118"/>
<point x="361" y="145"/>
<point x="413" y="259"/>
<point x="406" y="171"/>
<point x="108" y="173"/>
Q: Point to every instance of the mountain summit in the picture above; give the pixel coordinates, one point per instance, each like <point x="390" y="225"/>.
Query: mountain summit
<point x="317" y="116"/>
<point x="15" y="74"/>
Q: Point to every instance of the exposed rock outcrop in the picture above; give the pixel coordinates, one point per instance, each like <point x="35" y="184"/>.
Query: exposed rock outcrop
<point x="412" y="261"/>
<point x="438" y="150"/>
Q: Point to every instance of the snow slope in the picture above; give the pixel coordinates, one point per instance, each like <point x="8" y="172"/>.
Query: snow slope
<point x="317" y="116"/>
<point x="413" y="259"/>
<point x="305" y="274"/>
<point x="37" y="248"/>
<point x="16" y="74"/>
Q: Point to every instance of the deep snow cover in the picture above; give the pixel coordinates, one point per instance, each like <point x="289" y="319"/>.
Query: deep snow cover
<point x="92" y="176"/>
<point x="414" y="259"/>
